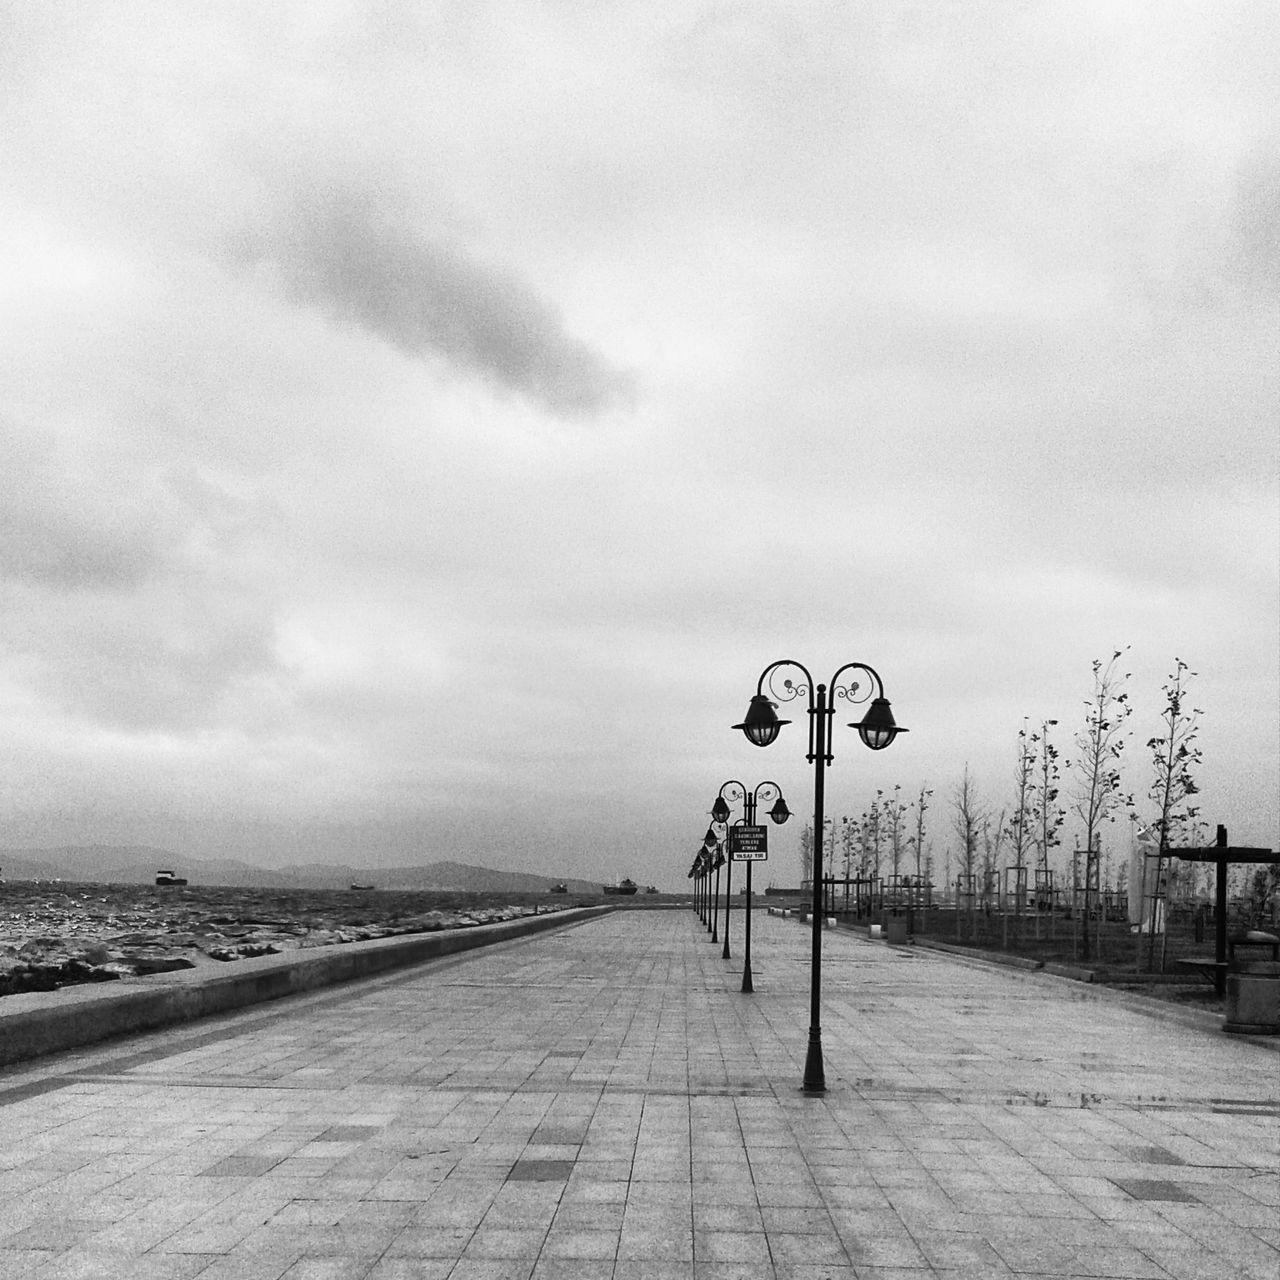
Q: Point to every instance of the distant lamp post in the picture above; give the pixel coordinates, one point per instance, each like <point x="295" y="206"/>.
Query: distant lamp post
<point x="704" y="886"/>
<point x="715" y="860"/>
<point x="720" y="818"/>
<point x="876" y="729"/>
<point x="695" y="874"/>
<point x="730" y="793"/>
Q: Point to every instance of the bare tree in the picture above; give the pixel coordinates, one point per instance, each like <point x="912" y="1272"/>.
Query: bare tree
<point x="848" y="844"/>
<point x="895" y="824"/>
<point x="993" y="835"/>
<point x="829" y="846"/>
<point x="1098" y="790"/>
<point x="967" y="818"/>
<point x="1050" y="815"/>
<point x="871" y="839"/>
<point x="1021" y="829"/>
<point x="917" y="842"/>
<point x="920" y="855"/>
<point x="1174" y="757"/>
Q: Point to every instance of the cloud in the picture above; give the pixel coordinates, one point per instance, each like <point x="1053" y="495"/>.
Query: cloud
<point x="1256" y="220"/>
<point x="60" y="530"/>
<point x="430" y="295"/>
<point x="136" y="596"/>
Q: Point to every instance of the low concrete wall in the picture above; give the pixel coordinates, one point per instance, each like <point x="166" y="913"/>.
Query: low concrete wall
<point x="39" y="1022"/>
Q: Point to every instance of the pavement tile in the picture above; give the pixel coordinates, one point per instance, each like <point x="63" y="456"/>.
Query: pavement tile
<point x="492" y="1269"/>
<point x="18" y="1263"/>
<point x="788" y="1269"/>
<point x="656" y="1244"/>
<point x="581" y="1243"/>
<point x="76" y="1265"/>
<point x="328" y="1268"/>
<point x="727" y="1217"/>
<point x="731" y="1246"/>
<point x="654" y="1268"/>
<point x="409" y="1269"/>
<point x="590" y="1191"/>
<point x="807" y="1249"/>
<point x="601" y="1216"/>
<point x="243" y="1266"/>
<point x="573" y="1269"/>
<point x="505" y="1242"/>
<point x="430" y="1242"/>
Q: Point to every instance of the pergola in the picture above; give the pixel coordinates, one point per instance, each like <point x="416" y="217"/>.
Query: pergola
<point x="1223" y="855"/>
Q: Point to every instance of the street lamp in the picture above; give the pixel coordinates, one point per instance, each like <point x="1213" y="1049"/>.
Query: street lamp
<point x="704" y="883"/>
<point x="730" y="793"/>
<point x="876" y="729"/>
<point x="715" y="860"/>
<point x="695" y="874"/>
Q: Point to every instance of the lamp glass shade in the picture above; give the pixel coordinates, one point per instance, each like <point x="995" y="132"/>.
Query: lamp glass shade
<point x="877" y="728"/>
<point x="719" y="810"/>
<point x="780" y="813"/>
<point x="760" y="724"/>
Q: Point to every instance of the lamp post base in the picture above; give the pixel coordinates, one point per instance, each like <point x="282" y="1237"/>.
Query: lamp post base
<point x="746" y="981"/>
<point x="815" y="1080"/>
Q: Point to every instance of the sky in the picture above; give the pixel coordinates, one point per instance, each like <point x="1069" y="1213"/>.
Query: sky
<point x="421" y="424"/>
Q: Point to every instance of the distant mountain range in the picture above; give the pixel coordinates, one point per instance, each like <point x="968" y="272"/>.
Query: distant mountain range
<point x="138" y="864"/>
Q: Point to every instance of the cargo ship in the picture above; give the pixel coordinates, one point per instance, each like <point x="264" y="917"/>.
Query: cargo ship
<point x="623" y="886"/>
<point x="167" y="877"/>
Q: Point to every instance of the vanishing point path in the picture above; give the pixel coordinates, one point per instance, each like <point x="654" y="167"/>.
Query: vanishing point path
<point x="603" y="1102"/>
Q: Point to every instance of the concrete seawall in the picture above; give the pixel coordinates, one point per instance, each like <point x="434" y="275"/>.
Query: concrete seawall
<point x="40" y="1022"/>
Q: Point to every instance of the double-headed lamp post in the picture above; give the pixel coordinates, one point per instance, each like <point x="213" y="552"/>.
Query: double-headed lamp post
<point x="700" y="873"/>
<point x="730" y="793"/>
<point x="876" y="729"/>
<point x="713" y="855"/>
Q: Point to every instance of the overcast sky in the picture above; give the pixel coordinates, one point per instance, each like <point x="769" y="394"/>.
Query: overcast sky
<point x="422" y="423"/>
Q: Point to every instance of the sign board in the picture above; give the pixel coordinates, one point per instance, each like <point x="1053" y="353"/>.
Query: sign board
<point x="748" y="844"/>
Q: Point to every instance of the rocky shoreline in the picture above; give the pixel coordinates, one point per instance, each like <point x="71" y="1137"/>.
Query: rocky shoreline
<point x="57" y="935"/>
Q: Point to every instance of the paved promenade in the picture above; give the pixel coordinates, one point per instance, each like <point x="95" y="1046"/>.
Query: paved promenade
<point x="602" y="1103"/>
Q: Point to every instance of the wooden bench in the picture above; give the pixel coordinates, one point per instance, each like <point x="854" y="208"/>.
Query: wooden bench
<point x="1205" y="965"/>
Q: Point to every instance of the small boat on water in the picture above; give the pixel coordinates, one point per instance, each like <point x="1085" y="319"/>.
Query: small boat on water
<point x="167" y="877"/>
<point x="362" y="887"/>
<point x="559" y="887"/>
<point x="624" y="886"/>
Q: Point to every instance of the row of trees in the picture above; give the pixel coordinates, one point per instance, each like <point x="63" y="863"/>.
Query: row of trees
<point x="891" y="837"/>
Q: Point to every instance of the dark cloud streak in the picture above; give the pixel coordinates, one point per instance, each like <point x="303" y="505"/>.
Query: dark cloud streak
<point x="426" y="295"/>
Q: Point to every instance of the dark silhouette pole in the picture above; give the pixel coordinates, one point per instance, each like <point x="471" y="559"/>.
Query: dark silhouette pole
<point x="877" y="730"/>
<point x="728" y="894"/>
<point x="717" y="862"/>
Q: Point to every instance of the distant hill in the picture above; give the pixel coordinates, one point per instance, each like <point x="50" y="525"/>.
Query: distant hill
<point x="434" y="875"/>
<point x="131" y="864"/>
<point x="138" y="864"/>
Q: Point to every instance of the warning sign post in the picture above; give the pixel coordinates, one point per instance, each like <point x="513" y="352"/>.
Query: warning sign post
<point x="748" y="844"/>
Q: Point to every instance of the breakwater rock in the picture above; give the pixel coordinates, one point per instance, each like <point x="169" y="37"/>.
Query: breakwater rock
<point x="58" y="935"/>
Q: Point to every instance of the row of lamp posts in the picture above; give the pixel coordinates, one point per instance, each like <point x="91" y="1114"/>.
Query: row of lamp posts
<point x="711" y="857"/>
<point x="785" y="681"/>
